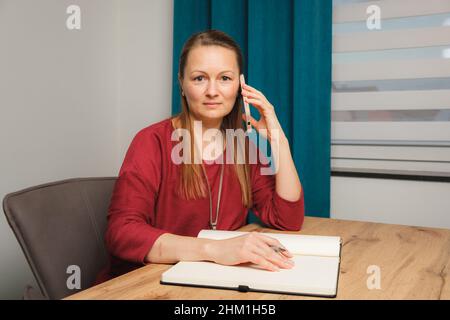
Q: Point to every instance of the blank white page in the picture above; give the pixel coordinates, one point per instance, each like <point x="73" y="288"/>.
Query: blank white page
<point x="311" y="275"/>
<point x="328" y="246"/>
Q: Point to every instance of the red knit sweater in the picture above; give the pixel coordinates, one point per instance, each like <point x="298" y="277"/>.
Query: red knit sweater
<point x="144" y="204"/>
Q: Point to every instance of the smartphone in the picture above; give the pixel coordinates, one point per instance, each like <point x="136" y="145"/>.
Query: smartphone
<point x="246" y="106"/>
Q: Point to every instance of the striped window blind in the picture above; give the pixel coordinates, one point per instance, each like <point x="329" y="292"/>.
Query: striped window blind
<point x="391" y="87"/>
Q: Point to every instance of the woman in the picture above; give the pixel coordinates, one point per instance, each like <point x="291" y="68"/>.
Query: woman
<point x="158" y="206"/>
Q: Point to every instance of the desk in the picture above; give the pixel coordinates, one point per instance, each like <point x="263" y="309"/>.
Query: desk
<point x="414" y="263"/>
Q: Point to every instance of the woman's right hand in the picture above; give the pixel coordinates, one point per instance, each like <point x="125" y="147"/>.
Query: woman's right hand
<point x="253" y="247"/>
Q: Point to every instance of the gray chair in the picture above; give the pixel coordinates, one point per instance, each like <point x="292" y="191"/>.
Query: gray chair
<point x="60" y="224"/>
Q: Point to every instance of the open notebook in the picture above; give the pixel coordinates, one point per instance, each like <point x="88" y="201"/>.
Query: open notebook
<point x="316" y="270"/>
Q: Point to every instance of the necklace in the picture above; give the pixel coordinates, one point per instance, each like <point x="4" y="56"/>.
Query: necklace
<point x="213" y="223"/>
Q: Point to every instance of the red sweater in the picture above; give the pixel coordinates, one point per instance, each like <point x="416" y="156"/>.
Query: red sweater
<point x="144" y="204"/>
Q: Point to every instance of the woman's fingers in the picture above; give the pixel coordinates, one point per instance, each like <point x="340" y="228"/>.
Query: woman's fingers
<point x="275" y="246"/>
<point x="253" y="94"/>
<point x="268" y="253"/>
<point x="258" y="104"/>
<point x="256" y="98"/>
<point x="263" y="107"/>
<point x="261" y="245"/>
<point x="258" y="256"/>
<point x="250" y="94"/>
<point x="255" y="248"/>
<point x="251" y="89"/>
<point x="253" y="121"/>
<point x="274" y="242"/>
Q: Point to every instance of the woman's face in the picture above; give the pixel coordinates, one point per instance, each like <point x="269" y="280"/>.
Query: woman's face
<point x="211" y="82"/>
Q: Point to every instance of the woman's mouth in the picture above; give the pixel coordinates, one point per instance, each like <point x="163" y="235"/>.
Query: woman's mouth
<point x="212" y="104"/>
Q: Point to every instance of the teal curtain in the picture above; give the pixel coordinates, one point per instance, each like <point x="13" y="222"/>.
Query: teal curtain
<point x="287" y="50"/>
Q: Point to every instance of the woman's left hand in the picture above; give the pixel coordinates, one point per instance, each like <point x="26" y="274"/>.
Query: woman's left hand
<point x="268" y="120"/>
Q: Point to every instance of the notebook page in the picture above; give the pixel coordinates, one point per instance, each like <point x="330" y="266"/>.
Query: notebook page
<point x="328" y="246"/>
<point x="311" y="275"/>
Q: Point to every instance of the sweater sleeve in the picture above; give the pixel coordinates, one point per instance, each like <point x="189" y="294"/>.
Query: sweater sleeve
<point x="130" y="234"/>
<point x="270" y="207"/>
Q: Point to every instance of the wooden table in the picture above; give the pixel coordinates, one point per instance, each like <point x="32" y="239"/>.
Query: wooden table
<point x="414" y="263"/>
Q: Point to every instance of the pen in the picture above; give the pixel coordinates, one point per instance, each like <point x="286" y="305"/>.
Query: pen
<point x="281" y="250"/>
<point x="278" y="249"/>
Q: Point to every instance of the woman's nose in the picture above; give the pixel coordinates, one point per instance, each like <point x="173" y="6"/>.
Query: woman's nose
<point x="211" y="90"/>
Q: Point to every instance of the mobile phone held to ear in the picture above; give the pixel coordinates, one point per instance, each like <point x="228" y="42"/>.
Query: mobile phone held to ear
<point x="246" y="107"/>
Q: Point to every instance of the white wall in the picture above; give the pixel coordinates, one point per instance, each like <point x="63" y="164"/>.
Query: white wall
<point x="391" y="201"/>
<point x="71" y="101"/>
<point x="145" y="32"/>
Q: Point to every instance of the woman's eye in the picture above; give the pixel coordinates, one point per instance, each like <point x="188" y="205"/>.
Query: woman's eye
<point x="201" y="78"/>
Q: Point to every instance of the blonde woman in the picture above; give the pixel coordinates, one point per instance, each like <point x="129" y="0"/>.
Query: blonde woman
<point x="159" y="205"/>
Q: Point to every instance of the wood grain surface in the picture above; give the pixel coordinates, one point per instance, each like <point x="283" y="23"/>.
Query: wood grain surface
<point x="413" y="264"/>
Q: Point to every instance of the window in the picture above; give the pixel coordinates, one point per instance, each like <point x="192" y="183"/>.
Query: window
<point x="391" y="87"/>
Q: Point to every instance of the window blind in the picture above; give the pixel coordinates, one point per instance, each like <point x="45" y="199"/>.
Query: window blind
<point x="391" y="87"/>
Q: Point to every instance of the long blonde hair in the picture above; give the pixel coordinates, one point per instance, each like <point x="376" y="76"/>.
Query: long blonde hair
<point x="192" y="183"/>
